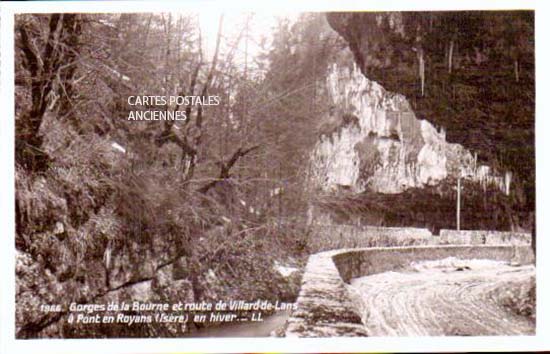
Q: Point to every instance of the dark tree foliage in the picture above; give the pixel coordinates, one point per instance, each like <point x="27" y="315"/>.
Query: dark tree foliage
<point x="49" y="48"/>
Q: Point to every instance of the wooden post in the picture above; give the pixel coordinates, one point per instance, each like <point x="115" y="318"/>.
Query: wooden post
<point x="458" y="204"/>
<point x="421" y="70"/>
<point x="450" y="58"/>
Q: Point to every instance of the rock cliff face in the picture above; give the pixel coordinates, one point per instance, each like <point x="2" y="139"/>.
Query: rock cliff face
<point x="471" y="72"/>
<point x="372" y="140"/>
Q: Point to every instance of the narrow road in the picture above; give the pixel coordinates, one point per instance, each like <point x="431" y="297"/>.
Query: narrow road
<point x="447" y="297"/>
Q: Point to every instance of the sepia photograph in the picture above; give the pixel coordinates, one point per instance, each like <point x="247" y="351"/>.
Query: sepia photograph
<point x="209" y="174"/>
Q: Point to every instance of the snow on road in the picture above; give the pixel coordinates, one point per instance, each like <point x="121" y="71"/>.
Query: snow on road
<point x="445" y="297"/>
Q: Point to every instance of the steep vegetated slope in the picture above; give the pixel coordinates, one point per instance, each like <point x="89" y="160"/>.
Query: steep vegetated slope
<point x="114" y="210"/>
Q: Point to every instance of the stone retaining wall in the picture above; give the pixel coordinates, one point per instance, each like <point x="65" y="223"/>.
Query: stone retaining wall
<point x="337" y="236"/>
<point x="330" y="237"/>
<point x="480" y="237"/>
<point x="325" y="307"/>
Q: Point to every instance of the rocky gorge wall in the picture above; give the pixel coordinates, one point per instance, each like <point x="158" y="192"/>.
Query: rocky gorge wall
<point x="376" y="142"/>
<point x="471" y="72"/>
<point x="165" y="282"/>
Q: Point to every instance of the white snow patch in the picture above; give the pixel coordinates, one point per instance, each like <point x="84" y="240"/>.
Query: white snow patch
<point x="275" y="192"/>
<point x="107" y="23"/>
<point x="285" y="271"/>
<point x="117" y="74"/>
<point x="211" y="275"/>
<point x="118" y="147"/>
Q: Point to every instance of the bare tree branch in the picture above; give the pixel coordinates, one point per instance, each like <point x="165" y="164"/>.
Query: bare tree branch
<point x="226" y="167"/>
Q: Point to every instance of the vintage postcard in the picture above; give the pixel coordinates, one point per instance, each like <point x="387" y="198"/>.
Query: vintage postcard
<point x="197" y="173"/>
